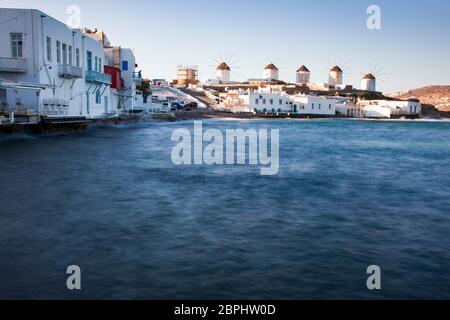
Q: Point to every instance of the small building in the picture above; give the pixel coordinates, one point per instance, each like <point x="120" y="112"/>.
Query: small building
<point x="187" y="75"/>
<point x="261" y="101"/>
<point x="303" y="76"/>
<point x="271" y="73"/>
<point x="314" y="105"/>
<point x="391" y="108"/>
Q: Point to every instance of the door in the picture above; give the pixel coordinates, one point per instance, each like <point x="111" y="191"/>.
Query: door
<point x="106" y="105"/>
<point x="3" y="100"/>
<point x="87" y="103"/>
<point x="89" y="61"/>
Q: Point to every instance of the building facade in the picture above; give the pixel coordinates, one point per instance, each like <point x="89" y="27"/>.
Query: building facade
<point x="68" y="66"/>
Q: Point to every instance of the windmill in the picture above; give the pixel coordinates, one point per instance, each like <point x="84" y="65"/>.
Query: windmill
<point x="336" y="72"/>
<point x="273" y="67"/>
<point x="224" y="67"/>
<point x="369" y="80"/>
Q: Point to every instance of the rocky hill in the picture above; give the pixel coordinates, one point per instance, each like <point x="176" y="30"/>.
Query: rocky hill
<point x="438" y="96"/>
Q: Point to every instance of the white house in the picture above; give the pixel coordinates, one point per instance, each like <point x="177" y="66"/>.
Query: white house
<point x="39" y="50"/>
<point x="314" y="105"/>
<point x="125" y="61"/>
<point x="391" y="108"/>
<point x="262" y="101"/>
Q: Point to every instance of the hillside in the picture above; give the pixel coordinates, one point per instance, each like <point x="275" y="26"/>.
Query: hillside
<point x="438" y="96"/>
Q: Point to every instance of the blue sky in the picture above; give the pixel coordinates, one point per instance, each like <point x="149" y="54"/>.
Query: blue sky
<point x="412" y="48"/>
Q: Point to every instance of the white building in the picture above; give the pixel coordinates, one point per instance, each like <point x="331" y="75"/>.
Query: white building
<point x="303" y="75"/>
<point x="336" y="77"/>
<point x="223" y="73"/>
<point x="39" y="50"/>
<point x="391" y="108"/>
<point x="271" y="72"/>
<point x="264" y="100"/>
<point x="369" y="83"/>
<point x="314" y="105"/>
<point x="125" y="61"/>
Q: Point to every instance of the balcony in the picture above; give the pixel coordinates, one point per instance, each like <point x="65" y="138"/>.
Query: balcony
<point x="13" y="65"/>
<point x="70" y="72"/>
<point x="98" y="77"/>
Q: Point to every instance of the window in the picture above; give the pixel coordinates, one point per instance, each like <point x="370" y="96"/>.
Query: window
<point x="257" y="101"/>
<point x="98" y="97"/>
<point x="49" y="49"/>
<point x="96" y="64"/>
<point x="264" y="101"/>
<point x="330" y="107"/>
<point x="58" y="52"/>
<point x="313" y="106"/>
<point x="124" y="65"/>
<point x="279" y="110"/>
<point x="320" y="106"/>
<point x="281" y="101"/>
<point x="77" y="57"/>
<point x="70" y="55"/>
<point x="89" y="61"/>
<point x="271" y="101"/>
<point x="16" y="45"/>
<point x="100" y="68"/>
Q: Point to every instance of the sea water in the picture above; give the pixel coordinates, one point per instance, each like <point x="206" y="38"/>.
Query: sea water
<point x="348" y="195"/>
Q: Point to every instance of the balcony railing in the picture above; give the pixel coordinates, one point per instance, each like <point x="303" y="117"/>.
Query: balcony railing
<point x="98" y="77"/>
<point x="70" y="72"/>
<point x="13" y="65"/>
<point x="137" y="75"/>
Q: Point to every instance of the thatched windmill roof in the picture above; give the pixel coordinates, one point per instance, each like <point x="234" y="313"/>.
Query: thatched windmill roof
<point x="303" y="69"/>
<point x="271" y="67"/>
<point x="223" y="66"/>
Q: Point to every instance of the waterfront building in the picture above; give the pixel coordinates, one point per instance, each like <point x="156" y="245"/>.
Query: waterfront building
<point x="264" y="100"/>
<point x="336" y="77"/>
<point x="314" y="105"/>
<point x="124" y="60"/>
<point x="67" y="67"/>
<point x="391" y="108"/>
<point x="271" y="73"/>
<point x="223" y="73"/>
<point x="303" y="75"/>
<point x="369" y="83"/>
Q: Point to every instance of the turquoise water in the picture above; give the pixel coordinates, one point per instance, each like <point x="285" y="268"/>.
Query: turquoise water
<point x="349" y="194"/>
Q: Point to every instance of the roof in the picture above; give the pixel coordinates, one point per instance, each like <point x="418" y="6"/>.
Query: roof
<point x="369" y="76"/>
<point x="303" y="69"/>
<point x="223" y="66"/>
<point x="271" y="67"/>
<point x="336" y="69"/>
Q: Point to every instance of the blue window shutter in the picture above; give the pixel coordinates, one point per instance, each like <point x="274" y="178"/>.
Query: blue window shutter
<point x="124" y="65"/>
